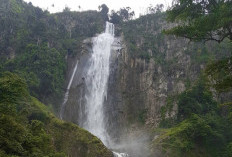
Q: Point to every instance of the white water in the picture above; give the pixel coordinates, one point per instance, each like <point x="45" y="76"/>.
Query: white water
<point x="96" y="81"/>
<point x="67" y="91"/>
<point x="120" y="154"/>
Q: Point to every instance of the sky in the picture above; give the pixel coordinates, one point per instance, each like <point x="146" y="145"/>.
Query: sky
<point x="139" y="6"/>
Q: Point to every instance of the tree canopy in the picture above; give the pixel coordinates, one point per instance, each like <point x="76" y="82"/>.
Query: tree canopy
<point x="201" y="19"/>
<point x="104" y="11"/>
<point x="124" y="14"/>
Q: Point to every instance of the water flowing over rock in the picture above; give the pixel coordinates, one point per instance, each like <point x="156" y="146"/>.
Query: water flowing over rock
<point x="67" y="91"/>
<point x="96" y="80"/>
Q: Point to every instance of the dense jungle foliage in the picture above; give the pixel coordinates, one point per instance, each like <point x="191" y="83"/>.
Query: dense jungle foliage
<point x="28" y="128"/>
<point x="202" y="126"/>
<point x="35" y="43"/>
<point x="201" y="20"/>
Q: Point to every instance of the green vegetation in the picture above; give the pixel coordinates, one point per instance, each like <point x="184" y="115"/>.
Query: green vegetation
<point x="201" y="127"/>
<point x="167" y="109"/>
<point x="35" y="45"/>
<point x="197" y="100"/>
<point x="142" y="115"/>
<point x="20" y="135"/>
<point x="29" y="129"/>
<point x="139" y="36"/>
<point x="124" y="14"/>
<point x="42" y="67"/>
<point x="201" y="20"/>
<point x="145" y="40"/>
<point x="220" y="74"/>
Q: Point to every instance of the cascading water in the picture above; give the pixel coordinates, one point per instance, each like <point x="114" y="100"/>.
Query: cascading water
<point x="95" y="78"/>
<point x="67" y="91"/>
<point x="96" y="81"/>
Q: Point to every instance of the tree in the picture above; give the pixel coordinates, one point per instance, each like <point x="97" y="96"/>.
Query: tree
<point x="126" y="14"/>
<point x="43" y="69"/>
<point x="66" y="9"/>
<point x="104" y="11"/>
<point x="157" y="9"/>
<point x="198" y="100"/>
<point x="201" y="19"/>
<point x="12" y="88"/>
<point x="115" y="18"/>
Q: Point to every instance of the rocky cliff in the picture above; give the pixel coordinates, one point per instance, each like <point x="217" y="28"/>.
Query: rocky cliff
<point x="154" y="68"/>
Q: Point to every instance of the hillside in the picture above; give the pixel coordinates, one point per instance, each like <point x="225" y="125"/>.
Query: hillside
<point x="28" y="128"/>
<point x="36" y="44"/>
<point x="164" y="96"/>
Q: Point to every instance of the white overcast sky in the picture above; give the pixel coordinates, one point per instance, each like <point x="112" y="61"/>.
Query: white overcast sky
<point x="139" y="6"/>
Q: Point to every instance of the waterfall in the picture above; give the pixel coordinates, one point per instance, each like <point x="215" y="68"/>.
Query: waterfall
<point x="67" y="91"/>
<point x="96" y="81"/>
<point x="95" y="78"/>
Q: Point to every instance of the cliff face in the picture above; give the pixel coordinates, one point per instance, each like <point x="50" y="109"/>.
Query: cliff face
<point x="72" y="108"/>
<point x="146" y="84"/>
<point x="138" y="88"/>
<point x="154" y="68"/>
